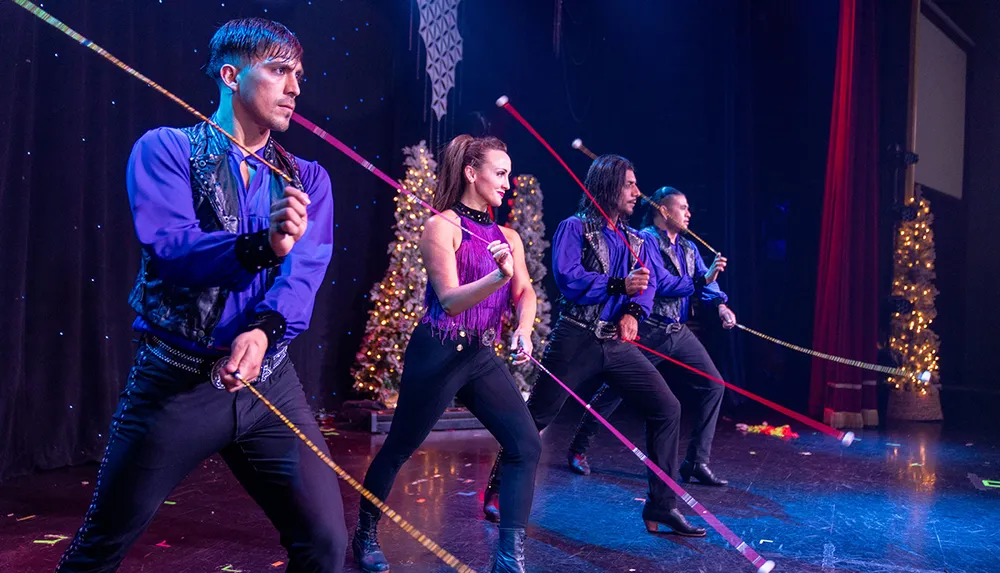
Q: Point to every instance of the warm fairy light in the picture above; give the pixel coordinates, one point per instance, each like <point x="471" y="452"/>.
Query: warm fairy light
<point x="398" y="298"/>
<point x="912" y="340"/>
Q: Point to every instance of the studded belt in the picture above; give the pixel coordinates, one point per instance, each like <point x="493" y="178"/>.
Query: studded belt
<point x="195" y="364"/>
<point x="668" y="327"/>
<point x="602" y="329"/>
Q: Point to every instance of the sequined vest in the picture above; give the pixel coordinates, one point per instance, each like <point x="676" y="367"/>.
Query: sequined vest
<point x="670" y="306"/>
<point x="596" y="258"/>
<point x="193" y="313"/>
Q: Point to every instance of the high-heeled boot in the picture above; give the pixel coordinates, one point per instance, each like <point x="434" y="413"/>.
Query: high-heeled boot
<point x="367" y="552"/>
<point x="491" y="498"/>
<point x="509" y="557"/>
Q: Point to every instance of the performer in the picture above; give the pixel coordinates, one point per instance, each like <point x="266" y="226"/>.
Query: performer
<point x="602" y="304"/>
<point x="471" y="288"/>
<point x="231" y="261"/>
<point x="680" y="273"/>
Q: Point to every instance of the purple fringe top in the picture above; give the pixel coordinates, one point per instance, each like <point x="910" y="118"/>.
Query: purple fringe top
<point x="474" y="262"/>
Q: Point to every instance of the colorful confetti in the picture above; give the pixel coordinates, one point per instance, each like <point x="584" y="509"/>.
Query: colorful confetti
<point x="162" y="544"/>
<point x="51" y="539"/>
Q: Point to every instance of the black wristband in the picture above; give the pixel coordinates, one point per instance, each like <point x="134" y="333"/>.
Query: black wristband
<point x="616" y="286"/>
<point x="633" y="309"/>
<point x="254" y="252"/>
<point x="273" y="325"/>
<point x="700" y="280"/>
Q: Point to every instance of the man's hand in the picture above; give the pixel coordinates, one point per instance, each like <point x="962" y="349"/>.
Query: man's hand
<point x="248" y="352"/>
<point x="637" y="281"/>
<point x="728" y="317"/>
<point x="520" y="345"/>
<point x="288" y="220"/>
<point x="718" y="265"/>
<point x="628" y="328"/>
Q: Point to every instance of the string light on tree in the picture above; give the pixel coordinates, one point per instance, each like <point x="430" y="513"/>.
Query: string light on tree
<point x="526" y="218"/>
<point x="399" y="298"/>
<point x="912" y="341"/>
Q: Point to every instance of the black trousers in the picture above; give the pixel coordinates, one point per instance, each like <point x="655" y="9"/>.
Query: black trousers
<point x="575" y="355"/>
<point x="706" y="395"/>
<point x="170" y="420"/>
<point x="437" y="371"/>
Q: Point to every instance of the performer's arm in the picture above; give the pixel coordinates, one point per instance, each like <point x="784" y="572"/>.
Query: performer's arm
<point x="525" y="300"/>
<point x="575" y="282"/>
<point x="287" y="306"/>
<point x="159" y="190"/>
<point x="710" y="293"/>
<point x="438" y="245"/>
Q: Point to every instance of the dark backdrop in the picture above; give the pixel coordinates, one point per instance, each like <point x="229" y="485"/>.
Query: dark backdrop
<point x="728" y="101"/>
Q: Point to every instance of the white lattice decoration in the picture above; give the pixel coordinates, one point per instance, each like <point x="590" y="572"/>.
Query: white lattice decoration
<point x="439" y="29"/>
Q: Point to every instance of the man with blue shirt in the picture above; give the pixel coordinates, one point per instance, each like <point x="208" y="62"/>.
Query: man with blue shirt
<point x="604" y="299"/>
<point x="680" y="274"/>
<point x="232" y="257"/>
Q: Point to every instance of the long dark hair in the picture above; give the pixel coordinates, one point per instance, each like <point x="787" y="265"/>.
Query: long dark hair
<point x="461" y="151"/>
<point x="662" y="195"/>
<point x="240" y="42"/>
<point x="605" y="180"/>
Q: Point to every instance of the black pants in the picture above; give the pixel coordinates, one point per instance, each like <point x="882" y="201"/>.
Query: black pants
<point x="684" y="346"/>
<point x="575" y="355"/>
<point x="434" y="373"/>
<point x="168" y="422"/>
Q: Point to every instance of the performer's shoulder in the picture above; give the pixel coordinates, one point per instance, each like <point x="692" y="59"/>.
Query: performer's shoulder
<point x="159" y="139"/>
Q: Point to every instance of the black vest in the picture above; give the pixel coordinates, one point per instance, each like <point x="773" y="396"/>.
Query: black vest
<point x="670" y="307"/>
<point x="193" y="313"/>
<point x="596" y="258"/>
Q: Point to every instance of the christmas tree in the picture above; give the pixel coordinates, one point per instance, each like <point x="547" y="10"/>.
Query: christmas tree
<point x="399" y="298"/>
<point x="912" y="341"/>
<point x="526" y="218"/>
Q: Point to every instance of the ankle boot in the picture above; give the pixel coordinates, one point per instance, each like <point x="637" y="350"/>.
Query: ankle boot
<point x="491" y="499"/>
<point x="367" y="552"/>
<point x="509" y="557"/>
<point x="653" y="517"/>
<point x="702" y="473"/>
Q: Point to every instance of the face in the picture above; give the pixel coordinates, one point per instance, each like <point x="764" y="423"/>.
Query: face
<point x="491" y="180"/>
<point x="266" y="91"/>
<point x="629" y="194"/>
<point x="680" y="215"/>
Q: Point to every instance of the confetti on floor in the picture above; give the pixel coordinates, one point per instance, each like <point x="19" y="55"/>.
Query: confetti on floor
<point x="229" y="569"/>
<point x="162" y="544"/>
<point x="421" y="500"/>
<point x="277" y="564"/>
<point x="26" y="518"/>
<point x="895" y="445"/>
<point x="466" y="493"/>
<point x="51" y="539"/>
<point x="170" y="503"/>
<point x="805" y="453"/>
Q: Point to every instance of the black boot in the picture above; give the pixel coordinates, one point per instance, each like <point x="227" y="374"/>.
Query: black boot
<point x="367" y="551"/>
<point x="672" y="518"/>
<point x="578" y="463"/>
<point x="509" y="557"/>
<point x="491" y="499"/>
<point x="702" y="473"/>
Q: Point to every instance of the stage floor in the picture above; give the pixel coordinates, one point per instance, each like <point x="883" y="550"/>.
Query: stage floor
<point x="910" y="498"/>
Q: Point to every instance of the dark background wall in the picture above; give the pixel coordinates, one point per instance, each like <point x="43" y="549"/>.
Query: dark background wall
<point x="728" y="101"/>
